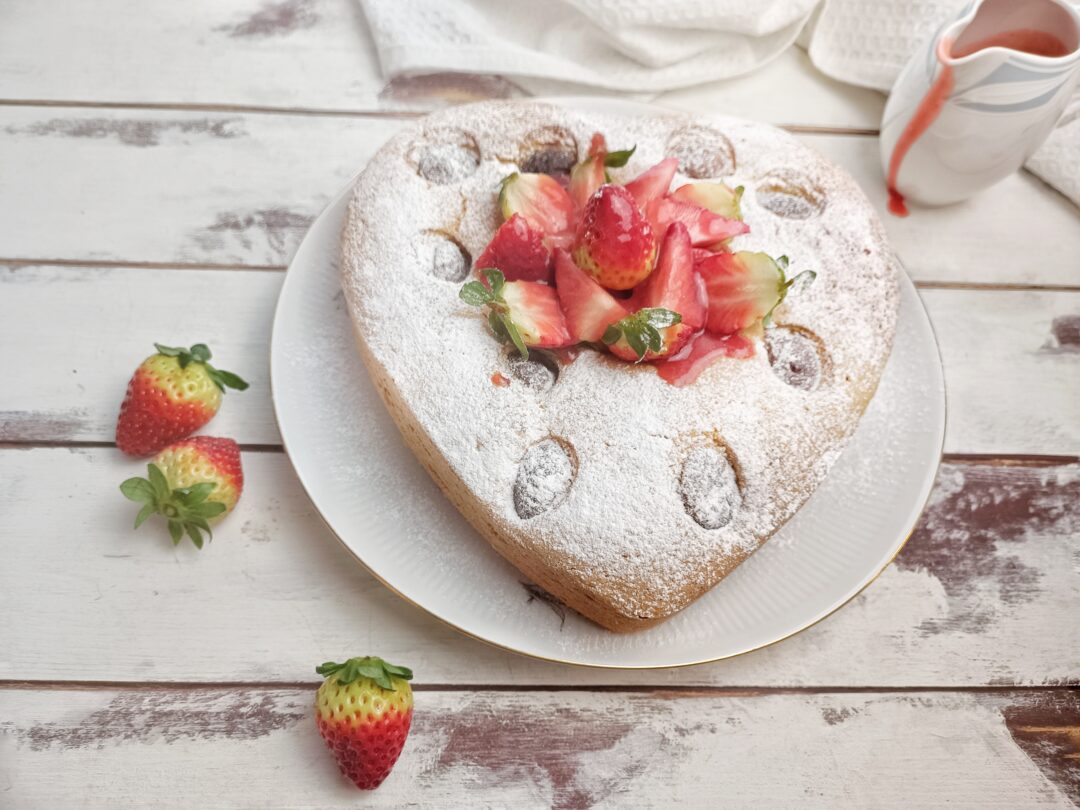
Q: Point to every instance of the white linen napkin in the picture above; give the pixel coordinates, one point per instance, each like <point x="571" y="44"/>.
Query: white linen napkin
<point x="626" y="45"/>
<point x="650" y="46"/>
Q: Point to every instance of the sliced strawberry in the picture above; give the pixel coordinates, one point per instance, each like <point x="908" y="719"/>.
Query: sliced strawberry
<point x="615" y="244"/>
<point x="534" y="309"/>
<point x="598" y="146"/>
<point x="653" y="183"/>
<point x="700" y="353"/>
<point x="742" y="288"/>
<point x="719" y="198"/>
<point x="701" y="254"/>
<point x="704" y="226"/>
<point x="519" y="251"/>
<point x="588" y="307"/>
<point x="541" y="200"/>
<point x="585" y="180"/>
<point x="641" y="336"/>
<point x="674" y="285"/>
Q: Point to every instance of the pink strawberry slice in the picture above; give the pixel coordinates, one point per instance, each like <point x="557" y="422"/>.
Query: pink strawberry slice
<point x="598" y="145"/>
<point x="534" y="309"/>
<point x="719" y="198"/>
<point x="615" y="244"/>
<point x="519" y="251"/>
<point x="673" y="285"/>
<point x="703" y="350"/>
<point x="653" y="183"/>
<point x="741" y="288"/>
<point x="543" y="202"/>
<point x="585" y="180"/>
<point x="588" y="307"/>
<point x="704" y="226"/>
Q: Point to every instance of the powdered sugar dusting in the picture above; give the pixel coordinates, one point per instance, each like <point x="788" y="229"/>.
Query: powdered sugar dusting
<point x="543" y="479"/>
<point x="795" y="357"/>
<point x="708" y="486"/>
<point x="623" y="529"/>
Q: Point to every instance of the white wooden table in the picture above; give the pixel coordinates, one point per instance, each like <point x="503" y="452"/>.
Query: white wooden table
<point x="159" y="163"/>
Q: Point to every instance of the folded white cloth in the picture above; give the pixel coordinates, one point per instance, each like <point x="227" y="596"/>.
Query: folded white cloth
<point x="626" y="45"/>
<point x="650" y="46"/>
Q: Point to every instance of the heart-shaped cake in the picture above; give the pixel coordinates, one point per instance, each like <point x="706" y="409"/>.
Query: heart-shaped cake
<point x="628" y="349"/>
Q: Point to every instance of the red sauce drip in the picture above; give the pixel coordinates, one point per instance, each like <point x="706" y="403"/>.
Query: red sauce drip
<point x="500" y="380"/>
<point x="924" y="116"/>
<point x="703" y="350"/>
<point x="1027" y="40"/>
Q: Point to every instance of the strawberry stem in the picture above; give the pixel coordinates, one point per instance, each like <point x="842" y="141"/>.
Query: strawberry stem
<point x="200" y="353"/>
<point x="368" y="666"/>
<point x="185" y="509"/>
<point x="489" y="294"/>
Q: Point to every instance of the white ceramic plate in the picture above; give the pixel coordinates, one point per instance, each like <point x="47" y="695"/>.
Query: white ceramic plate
<point x="383" y="506"/>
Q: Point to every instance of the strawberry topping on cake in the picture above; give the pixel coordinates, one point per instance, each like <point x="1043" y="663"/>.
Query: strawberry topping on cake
<point x="639" y="270"/>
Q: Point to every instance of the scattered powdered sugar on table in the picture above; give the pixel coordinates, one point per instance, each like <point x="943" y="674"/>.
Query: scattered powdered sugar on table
<point x="605" y="446"/>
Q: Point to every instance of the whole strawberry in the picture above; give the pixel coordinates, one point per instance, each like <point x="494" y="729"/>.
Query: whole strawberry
<point x="364" y="709"/>
<point x="191" y="483"/>
<point x="171" y="395"/>
<point x="615" y="244"/>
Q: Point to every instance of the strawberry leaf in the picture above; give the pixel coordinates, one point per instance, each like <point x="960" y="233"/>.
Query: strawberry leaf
<point x="201" y="352"/>
<point x="168" y="351"/>
<point x="199" y="493"/>
<point x="194" y="534"/>
<point x="186" y="509"/>
<point x="476" y="294"/>
<point x="147" y="510"/>
<point x="370" y="666"/>
<point x="158" y="481"/>
<point x="801" y="281"/>
<point x="226" y="379"/>
<point x="618" y="159"/>
<point x="514" y="335"/>
<point x="208" y="509"/>
<point x="659" y="317"/>
<point x="495" y="279"/>
<point x="138" y="489"/>
<point x="642" y="329"/>
<point x="653" y="339"/>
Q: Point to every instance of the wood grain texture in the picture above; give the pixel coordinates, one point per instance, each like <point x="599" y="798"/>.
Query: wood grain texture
<point x="978" y="597"/>
<point x="568" y="750"/>
<point x="1016" y="344"/>
<point x="228" y="189"/>
<point x="318" y="55"/>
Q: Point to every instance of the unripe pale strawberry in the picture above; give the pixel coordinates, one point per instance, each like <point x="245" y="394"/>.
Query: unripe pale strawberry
<point x="191" y="483"/>
<point x="364" y="710"/>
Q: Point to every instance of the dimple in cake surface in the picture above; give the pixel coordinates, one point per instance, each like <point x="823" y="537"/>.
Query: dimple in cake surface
<point x="621" y="494"/>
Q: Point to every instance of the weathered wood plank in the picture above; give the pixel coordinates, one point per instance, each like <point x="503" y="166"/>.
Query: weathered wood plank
<point x="983" y="593"/>
<point x="259" y="748"/>
<point x="159" y="186"/>
<point x="317" y="55"/>
<point x="1017" y="345"/>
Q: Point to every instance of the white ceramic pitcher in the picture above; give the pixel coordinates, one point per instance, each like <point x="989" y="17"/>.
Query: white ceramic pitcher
<point x="979" y="99"/>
